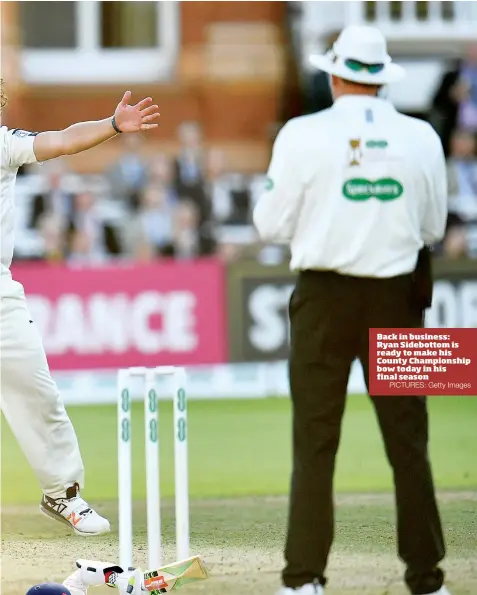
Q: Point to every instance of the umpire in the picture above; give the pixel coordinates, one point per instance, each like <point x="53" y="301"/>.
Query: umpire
<point x="357" y="191"/>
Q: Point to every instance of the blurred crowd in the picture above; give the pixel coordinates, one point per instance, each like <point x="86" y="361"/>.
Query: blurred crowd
<point x="145" y="206"/>
<point x="454" y="116"/>
<point x="190" y="205"/>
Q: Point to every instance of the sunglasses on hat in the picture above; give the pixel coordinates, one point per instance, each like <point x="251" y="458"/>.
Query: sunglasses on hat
<point x="357" y="66"/>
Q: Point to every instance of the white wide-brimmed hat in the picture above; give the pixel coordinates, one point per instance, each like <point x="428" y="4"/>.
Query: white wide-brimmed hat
<point x="360" y="55"/>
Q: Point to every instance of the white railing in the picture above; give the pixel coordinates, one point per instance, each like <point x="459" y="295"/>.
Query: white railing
<point x="411" y="20"/>
<point x="424" y="34"/>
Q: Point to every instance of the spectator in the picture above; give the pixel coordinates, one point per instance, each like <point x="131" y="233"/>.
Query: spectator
<point x="217" y="186"/>
<point x="229" y="193"/>
<point x="160" y="170"/>
<point x="189" y="163"/>
<point x="186" y="231"/>
<point x="89" y="237"/>
<point x="241" y="200"/>
<point x="149" y="233"/>
<point x="455" y="102"/>
<point x="161" y="175"/>
<point x="454" y="245"/>
<point x="462" y="175"/>
<point x="55" y="200"/>
<point x="191" y="238"/>
<point x="461" y="234"/>
<point x="51" y="228"/>
<point x="189" y="179"/>
<point x="128" y="174"/>
<point x="229" y="252"/>
<point x="83" y="250"/>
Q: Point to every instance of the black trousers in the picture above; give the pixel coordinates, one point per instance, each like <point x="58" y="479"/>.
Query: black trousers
<point x="330" y="315"/>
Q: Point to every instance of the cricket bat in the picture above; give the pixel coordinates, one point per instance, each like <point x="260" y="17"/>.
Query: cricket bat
<point x="167" y="578"/>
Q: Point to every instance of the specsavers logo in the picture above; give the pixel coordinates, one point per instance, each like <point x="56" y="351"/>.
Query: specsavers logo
<point x="360" y="189"/>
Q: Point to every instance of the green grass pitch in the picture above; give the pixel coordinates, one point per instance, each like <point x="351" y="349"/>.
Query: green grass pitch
<point x="239" y="457"/>
<point x="242" y="448"/>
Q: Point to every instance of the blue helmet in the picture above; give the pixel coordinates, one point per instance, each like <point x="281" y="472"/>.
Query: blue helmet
<point x="49" y="589"/>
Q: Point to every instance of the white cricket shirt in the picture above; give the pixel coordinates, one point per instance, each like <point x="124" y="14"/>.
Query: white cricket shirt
<point x="358" y="189"/>
<point x="17" y="150"/>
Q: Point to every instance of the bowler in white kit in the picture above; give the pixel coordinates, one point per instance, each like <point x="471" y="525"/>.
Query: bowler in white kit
<point x="30" y="400"/>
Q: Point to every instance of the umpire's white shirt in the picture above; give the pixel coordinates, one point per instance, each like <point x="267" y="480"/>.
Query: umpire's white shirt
<point x="357" y="189"/>
<point x="17" y="150"/>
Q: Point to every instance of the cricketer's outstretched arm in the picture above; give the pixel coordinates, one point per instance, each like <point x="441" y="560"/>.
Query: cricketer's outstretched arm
<point x="86" y="135"/>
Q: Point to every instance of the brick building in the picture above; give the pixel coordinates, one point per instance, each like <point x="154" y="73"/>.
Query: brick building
<point x="221" y="63"/>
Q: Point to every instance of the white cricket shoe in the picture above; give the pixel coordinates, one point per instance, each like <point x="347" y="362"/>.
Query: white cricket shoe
<point x="442" y="591"/>
<point x="308" y="589"/>
<point x="74" y="512"/>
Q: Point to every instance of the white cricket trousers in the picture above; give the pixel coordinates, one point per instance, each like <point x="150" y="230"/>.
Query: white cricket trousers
<point x="30" y="399"/>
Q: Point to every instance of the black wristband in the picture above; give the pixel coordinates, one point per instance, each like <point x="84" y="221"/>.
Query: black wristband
<point x="115" y="126"/>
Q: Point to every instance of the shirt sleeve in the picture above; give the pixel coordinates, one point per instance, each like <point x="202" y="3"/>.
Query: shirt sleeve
<point x="276" y="212"/>
<point x="433" y="223"/>
<point x="20" y="147"/>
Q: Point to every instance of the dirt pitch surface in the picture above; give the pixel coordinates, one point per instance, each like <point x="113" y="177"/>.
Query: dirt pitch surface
<point x="241" y="541"/>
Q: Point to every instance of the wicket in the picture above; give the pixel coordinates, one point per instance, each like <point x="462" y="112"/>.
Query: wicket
<point x="152" y="447"/>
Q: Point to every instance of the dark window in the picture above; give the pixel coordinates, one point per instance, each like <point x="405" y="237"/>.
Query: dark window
<point x="48" y="24"/>
<point x="129" y="24"/>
